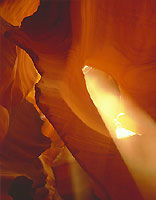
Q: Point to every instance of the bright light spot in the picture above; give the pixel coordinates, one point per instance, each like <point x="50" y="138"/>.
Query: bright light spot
<point x="86" y="69"/>
<point x="43" y="117"/>
<point x="123" y="133"/>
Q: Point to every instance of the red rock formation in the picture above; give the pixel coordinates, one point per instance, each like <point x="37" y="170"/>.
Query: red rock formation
<point x="117" y="37"/>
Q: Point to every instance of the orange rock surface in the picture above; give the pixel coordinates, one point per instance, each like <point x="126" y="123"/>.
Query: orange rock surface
<point x="57" y="39"/>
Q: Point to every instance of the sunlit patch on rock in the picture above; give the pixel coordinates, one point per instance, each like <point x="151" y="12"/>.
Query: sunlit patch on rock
<point x="122" y="132"/>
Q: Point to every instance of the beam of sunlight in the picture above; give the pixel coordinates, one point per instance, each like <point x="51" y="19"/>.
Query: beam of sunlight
<point x="126" y="122"/>
<point x="106" y="97"/>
